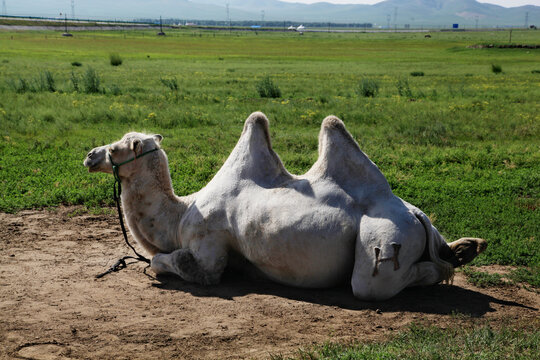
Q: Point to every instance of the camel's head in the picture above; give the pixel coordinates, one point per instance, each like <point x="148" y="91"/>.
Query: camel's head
<point x="132" y="146"/>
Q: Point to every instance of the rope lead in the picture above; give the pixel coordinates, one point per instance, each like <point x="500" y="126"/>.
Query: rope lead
<point x="117" y="191"/>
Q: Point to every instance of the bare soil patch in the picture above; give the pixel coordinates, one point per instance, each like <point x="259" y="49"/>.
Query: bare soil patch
<point x="52" y="307"/>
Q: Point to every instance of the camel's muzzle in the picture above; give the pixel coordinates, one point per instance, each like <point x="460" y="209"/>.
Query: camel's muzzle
<point x="95" y="158"/>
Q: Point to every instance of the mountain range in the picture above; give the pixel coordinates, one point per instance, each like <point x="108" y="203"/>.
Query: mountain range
<point x="416" y="13"/>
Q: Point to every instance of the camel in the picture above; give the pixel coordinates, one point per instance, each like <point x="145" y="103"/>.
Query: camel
<point x="337" y="223"/>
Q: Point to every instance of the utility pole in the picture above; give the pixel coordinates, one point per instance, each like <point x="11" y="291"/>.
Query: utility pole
<point x="161" y="33"/>
<point x="4" y="8"/>
<point x="395" y="18"/>
<point x="228" y="17"/>
<point x="66" y="33"/>
<point x="73" y="9"/>
<point x="262" y="17"/>
<point x="476" y="21"/>
<point x="526" y="19"/>
<point x="388" y="17"/>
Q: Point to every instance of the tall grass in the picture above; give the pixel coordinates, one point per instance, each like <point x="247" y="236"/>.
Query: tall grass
<point x="90" y="82"/>
<point x="368" y="87"/>
<point x="267" y="88"/>
<point x="75" y="81"/>
<point x="20" y="85"/>
<point x="115" y="59"/>
<point x="43" y="82"/>
<point x="403" y="87"/>
<point x="170" y="82"/>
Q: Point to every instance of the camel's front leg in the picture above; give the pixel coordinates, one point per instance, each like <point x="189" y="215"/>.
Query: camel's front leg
<point x="204" y="266"/>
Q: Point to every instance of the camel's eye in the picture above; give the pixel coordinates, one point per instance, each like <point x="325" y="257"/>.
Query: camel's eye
<point x="112" y="150"/>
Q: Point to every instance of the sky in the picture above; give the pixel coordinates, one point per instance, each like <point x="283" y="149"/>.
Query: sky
<point x="505" y="3"/>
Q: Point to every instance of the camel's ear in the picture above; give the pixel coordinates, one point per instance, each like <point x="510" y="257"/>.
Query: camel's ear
<point x="158" y="138"/>
<point x="136" y="146"/>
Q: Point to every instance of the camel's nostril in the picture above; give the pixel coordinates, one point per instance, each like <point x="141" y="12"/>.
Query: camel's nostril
<point x="90" y="154"/>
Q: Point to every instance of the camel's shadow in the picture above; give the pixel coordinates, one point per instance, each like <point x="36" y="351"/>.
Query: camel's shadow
<point x="437" y="299"/>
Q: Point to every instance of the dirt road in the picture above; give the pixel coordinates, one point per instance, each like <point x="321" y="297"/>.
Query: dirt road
<point x="52" y="307"/>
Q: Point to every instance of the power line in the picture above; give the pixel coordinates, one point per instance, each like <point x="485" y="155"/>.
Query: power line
<point x="4" y="7"/>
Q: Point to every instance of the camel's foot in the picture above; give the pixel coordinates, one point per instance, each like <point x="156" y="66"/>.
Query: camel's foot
<point x="466" y="249"/>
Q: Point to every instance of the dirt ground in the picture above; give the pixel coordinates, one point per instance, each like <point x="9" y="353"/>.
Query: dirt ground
<point x="52" y="307"/>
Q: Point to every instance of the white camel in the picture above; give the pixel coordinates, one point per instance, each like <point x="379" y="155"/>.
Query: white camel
<point x="338" y="222"/>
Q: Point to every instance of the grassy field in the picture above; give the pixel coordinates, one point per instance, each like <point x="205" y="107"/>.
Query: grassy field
<point x="424" y="342"/>
<point x="457" y="139"/>
<point x="461" y="142"/>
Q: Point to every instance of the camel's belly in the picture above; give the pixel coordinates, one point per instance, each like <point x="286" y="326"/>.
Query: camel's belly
<point x="311" y="270"/>
<point x="297" y="240"/>
<point x="302" y="233"/>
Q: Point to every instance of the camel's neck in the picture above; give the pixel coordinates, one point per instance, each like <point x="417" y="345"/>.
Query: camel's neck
<point x="152" y="211"/>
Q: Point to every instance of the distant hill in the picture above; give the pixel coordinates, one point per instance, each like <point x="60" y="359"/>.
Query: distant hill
<point x="416" y="13"/>
<point x="413" y="12"/>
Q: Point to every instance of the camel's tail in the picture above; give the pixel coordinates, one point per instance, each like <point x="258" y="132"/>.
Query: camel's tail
<point x="434" y="240"/>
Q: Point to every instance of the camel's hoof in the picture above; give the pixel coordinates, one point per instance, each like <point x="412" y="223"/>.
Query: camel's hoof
<point x="466" y="249"/>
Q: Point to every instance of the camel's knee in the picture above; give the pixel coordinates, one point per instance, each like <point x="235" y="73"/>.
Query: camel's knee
<point x="425" y="273"/>
<point x="185" y="264"/>
<point x="374" y="289"/>
<point x="194" y="269"/>
<point x="161" y="264"/>
<point x="380" y="283"/>
<point x="387" y="284"/>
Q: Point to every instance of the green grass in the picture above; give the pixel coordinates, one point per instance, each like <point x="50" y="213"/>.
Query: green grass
<point x="423" y="342"/>
<point x="483" y="279"/>
<point x="460" y="142"/>
<point x="529" y="277"/>
<point x="526" y="275"/>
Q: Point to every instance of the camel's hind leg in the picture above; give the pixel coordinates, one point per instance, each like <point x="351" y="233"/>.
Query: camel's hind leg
<point x="423" y="273"/>
<point x="204" y="266"/>
<point x="387" y="247"/>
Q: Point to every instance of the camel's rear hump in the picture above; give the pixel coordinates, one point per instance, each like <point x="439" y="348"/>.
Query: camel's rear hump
<point x="341" y="159"/>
